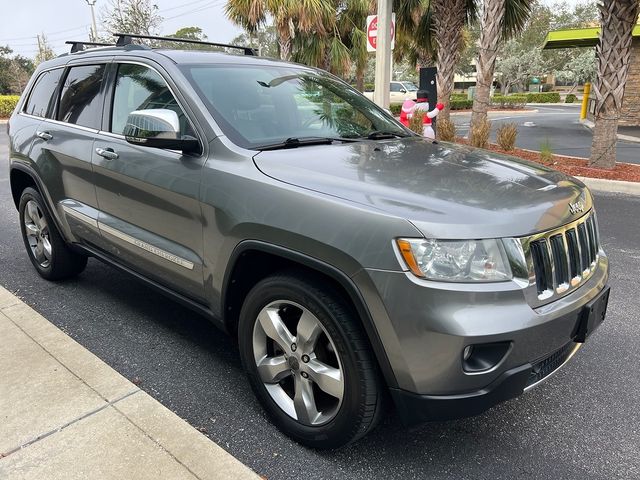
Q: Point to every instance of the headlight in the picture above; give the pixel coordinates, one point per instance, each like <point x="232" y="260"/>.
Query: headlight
<point x="456" y="260"/>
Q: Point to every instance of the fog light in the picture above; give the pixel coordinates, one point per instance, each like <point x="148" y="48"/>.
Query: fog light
<point x="484" y="356"/>
<point x="468" y="350"/>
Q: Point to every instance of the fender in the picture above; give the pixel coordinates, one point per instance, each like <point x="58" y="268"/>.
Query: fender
<point x="337" y="275"/>
<point x="23" y="167"/>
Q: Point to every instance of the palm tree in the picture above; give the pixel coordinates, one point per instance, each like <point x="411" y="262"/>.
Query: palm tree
<point x="500" y="20"/>
<point x="343" y="42"/>
<point x="289" y="17"/>
<point x="617" y="19"/>
<point x="435" y="29"/>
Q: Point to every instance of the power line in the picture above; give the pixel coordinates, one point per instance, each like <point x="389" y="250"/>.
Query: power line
<point x="201" y="8"/>
<point x="50" y="33"/>
<point x="182" y="6"/>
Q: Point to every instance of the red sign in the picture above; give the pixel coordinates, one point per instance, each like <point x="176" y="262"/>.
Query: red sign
<point x="372" y="32"/>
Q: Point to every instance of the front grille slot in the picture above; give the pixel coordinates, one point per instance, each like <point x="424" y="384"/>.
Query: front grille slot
<point x="574" y="253"/>
<point x="542" y="265"/>
<point x="585" y="261"/>
<point x="560" y="260"/>
<point x="593" y="243"/>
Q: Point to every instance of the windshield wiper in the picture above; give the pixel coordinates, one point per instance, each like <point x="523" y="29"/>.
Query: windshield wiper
<point x="383" y="134"/>
<point x="295" y="142"/>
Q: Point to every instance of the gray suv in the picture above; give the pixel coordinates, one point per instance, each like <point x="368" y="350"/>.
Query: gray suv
<point x="354" y="261"/>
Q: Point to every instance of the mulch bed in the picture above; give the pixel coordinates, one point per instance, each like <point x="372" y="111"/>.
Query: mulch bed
<point x="575" y="166"/>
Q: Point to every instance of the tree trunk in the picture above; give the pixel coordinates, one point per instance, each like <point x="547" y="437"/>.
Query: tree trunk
<point x="617" y="19"/>
<point x="449" y="17"/>
<point x="491" y="31"/>
<point x="360" y="79"/>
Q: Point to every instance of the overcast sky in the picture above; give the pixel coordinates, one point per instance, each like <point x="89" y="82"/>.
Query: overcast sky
<point x="63" y="20"/>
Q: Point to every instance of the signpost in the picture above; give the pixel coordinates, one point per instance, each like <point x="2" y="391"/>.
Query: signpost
<point x="380" y="37"/>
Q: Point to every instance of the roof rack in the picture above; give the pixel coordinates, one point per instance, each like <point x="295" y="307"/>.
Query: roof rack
<point x="127" y="38"/>
<point x="79" y="45"/>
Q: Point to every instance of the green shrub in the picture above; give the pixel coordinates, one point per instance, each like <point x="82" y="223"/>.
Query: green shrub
<point x="571" y="98"/>
<point x="7" y="104"/>
<point x="509" y="101"/>
<point x="460" y="104"/>
<point x="546" y="153"/>
<point x="395" y="109"/>
<point x="368" y="87"/>
<point x="459" y="96"/>
<point x="549" y="97"/>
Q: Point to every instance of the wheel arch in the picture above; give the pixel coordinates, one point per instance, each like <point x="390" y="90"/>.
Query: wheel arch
<point x="253" y="260"/>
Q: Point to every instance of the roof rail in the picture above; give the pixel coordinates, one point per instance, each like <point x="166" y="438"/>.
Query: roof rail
<point x="79" y="45"/>
<point x="127" y="38"/>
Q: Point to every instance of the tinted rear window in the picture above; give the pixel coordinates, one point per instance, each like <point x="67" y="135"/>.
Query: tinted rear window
<point x="80" y="99"/>
<point x="42" y="97"/>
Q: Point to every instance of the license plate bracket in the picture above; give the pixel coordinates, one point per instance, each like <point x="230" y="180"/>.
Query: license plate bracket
<point x="592" y="315"/>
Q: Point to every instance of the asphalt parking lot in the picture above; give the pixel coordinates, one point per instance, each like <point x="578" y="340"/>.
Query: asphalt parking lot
<point x="556" y="124"/>
<point x="583" y="423"/>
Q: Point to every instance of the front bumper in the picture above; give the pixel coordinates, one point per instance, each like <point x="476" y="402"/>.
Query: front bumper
<point x="425" y="329"/>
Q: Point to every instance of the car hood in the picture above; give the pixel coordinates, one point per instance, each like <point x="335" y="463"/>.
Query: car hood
<point x="445" y="190"/>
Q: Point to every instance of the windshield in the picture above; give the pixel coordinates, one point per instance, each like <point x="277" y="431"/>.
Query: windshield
<point x="410" y="87"/>
<point x="261" y="106"/>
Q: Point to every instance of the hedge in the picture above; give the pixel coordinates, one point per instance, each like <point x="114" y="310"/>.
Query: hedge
<point x="570" y="98"/>
<point x="7" y="104"/>
<point x="456" y="104"/>
<point x="510" y="101"/>
<point x="395" y="108"/>
<point x="549" y="97"/>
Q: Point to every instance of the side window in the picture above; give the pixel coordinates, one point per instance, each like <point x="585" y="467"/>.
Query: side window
<point x="395" y="87"/>
<point x="141" y="88"/>
<point x="42" y="96"/>
<point x="80" y="99"/>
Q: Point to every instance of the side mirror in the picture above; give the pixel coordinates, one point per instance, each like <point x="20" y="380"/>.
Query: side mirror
<point x="159" y="128"/>
<point x="402" y="90"/>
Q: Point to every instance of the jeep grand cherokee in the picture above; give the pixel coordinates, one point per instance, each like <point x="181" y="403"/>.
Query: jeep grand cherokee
<point x="353" y="260"/>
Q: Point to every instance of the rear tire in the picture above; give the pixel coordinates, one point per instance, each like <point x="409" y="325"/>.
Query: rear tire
<point x="318" y="380"/>
<point x="48" y="252"/>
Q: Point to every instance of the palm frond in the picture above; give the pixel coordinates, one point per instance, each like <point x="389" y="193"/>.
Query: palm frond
<point x="516" y="14"/>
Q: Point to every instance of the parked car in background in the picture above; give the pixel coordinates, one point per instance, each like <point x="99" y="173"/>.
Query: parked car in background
<point x="399" y="92"/>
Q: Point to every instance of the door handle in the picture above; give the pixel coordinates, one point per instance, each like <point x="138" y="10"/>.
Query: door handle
<point x="44" y="135"/>
<point x="107" y="153"/>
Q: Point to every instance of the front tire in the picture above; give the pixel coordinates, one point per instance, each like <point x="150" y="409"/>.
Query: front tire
<point x="48" y="252"/>
<point x="308" y="361"/>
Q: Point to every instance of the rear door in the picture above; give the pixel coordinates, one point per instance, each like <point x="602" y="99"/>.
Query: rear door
<point x="62" y="147"/>
<point x="150" y="216"/>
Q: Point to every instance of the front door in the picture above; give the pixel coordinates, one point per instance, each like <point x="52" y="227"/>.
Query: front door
<point x="150" y="216"/>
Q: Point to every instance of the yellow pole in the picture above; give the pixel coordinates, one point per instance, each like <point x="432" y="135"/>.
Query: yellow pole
<point x="585" y="101"/>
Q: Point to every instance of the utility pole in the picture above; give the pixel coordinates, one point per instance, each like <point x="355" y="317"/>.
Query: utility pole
<point x="383" y="54"/>
<point x="94" y="29"/>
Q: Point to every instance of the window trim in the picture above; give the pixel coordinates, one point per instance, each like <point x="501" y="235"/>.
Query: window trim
<point x="110" y="97"/>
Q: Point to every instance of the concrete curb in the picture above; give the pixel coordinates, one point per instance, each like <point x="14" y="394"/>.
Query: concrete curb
<point x="611" y="186"/>
<point x="625" y="138"/>
<point x="67" y="415"/>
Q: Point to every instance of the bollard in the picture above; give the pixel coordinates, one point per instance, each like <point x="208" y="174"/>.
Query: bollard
<point x="585" y="101"/>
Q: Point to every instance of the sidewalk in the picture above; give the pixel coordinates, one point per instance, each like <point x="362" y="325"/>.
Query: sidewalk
<point x="625" y="133"/>
<point x="65" y="414"/>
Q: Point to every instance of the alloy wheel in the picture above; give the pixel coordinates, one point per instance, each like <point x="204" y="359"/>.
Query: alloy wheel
<point x="298" y="363"/>
<point x="37" y="233"/>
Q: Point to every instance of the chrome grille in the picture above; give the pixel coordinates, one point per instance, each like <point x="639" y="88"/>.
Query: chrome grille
<point x="562" y="259"/>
